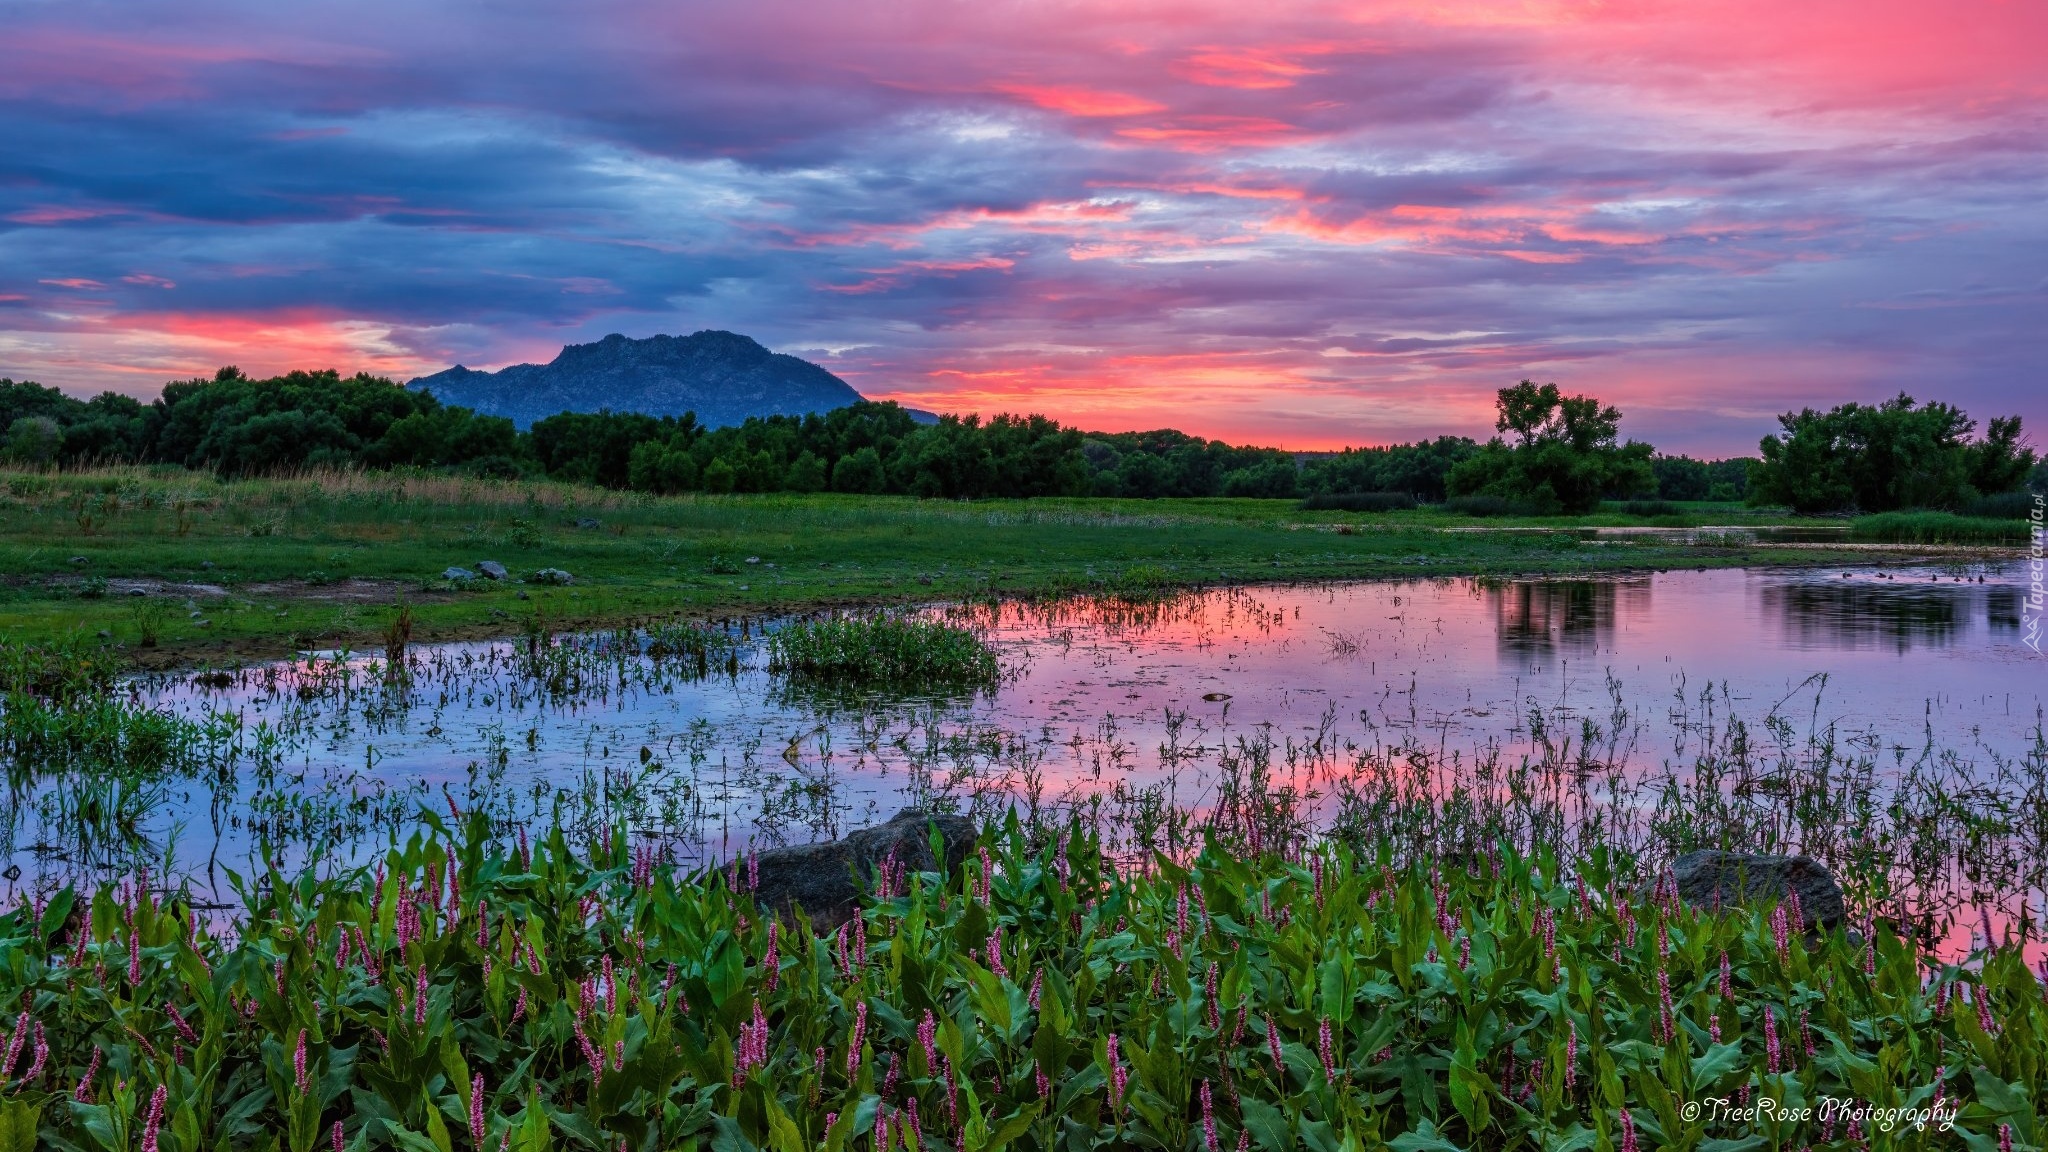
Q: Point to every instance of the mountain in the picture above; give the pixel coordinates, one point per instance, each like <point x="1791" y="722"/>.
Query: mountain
<point x="721" y="376"/>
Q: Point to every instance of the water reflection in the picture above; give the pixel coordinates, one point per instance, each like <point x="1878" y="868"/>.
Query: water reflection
<point x="1865" y="612"/>
<point x="1546" y="618"/>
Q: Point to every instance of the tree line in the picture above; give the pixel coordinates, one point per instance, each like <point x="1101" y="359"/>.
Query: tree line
<point x="1556" y="453"/>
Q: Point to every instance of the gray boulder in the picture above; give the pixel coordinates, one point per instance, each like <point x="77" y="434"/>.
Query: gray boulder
<point x="552" y="576"/>
<point x="491" y="569"/>
<point x="1710" y="878"/>
<point x="826" y="880"/>
<point x="457" y="574"/>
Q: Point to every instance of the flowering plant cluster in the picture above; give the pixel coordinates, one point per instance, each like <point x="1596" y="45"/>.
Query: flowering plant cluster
<point x="467" y="993"/>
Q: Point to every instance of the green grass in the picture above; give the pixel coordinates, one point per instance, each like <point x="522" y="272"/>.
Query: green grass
<point x="259" y="567"/>
<point x="885" y="652"/>
<point x="1939" y="528"/>
<point x="464" y="996"/>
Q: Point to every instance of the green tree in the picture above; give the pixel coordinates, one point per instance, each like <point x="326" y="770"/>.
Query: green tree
<point x="1877" y="458"/>
<point x="34" y="440"/>
<point x="1565" y="456"/>
<point x="718" y="476"/>
<point x="806" y="473"/>
<point x="859" y="472"/>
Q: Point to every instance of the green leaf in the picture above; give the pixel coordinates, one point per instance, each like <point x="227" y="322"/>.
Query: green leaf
<point x="1424" y="1139"/>
<point x="409" y="1140"/>
<point x="2005" y="1101"/>
<point x="437" y="1131"/>
<point x="1268" y="1125"/>
<point x="1710" y="1066"/>
<point x="1012" y="1127"/>
<point x="18" y="1126"/>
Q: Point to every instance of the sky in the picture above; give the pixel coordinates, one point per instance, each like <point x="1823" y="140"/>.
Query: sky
<point x="1302" y="224"/>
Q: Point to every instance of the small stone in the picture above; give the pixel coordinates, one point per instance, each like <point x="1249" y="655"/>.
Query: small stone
<point x="491" y="569"/>
<point x="589" y="522"/>
<point x="81" y="560"/>
<point x="750" y="559"/>
<point x="202" y="623"/>
<point x="523" y="595"/>
<point x="138" y="591"/>
<point x="458" y="575"/>
<point x="206" y="564"/>
<point x="552" y="576"/>
<point x="106" y="635"/>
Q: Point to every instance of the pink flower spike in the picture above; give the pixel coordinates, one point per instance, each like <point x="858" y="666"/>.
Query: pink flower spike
<point x="299" y="1061"/>
<point x="476" y="1111"/>
<point x="14" y="1045"/>
<point x="83" y="1093"/>
<point x="155" y="1122"/>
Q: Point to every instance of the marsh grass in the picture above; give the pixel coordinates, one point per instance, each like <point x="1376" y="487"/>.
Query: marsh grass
<point x="1359" y="502"/>
<point x="900" y="653"/>
<point x="1938" y="528"/>
<point x="2002" y="506"/>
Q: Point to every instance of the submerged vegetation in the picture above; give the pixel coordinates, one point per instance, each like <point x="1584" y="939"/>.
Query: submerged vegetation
<point x="465" y="993"/>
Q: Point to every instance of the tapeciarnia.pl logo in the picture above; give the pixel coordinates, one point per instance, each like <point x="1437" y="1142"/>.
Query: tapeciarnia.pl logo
<point x="2036" y="568"/>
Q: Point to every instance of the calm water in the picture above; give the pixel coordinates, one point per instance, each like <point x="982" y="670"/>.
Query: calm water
<point x="1101" y="702"/>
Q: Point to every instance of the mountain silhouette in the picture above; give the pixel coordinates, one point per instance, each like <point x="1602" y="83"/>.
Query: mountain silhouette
<point x="721" y="376"/>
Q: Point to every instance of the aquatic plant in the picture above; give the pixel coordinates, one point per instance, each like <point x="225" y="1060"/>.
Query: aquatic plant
<point x="883" y="651"/>
<point x="469" y="993"/>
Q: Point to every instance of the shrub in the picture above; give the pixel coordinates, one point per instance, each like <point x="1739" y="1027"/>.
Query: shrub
<point x="1359" y="502"/>
<point x="1647" y="507"/>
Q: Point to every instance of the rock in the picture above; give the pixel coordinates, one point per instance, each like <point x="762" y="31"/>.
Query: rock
<point x="522" y="594"/>
<point x="202" y="623"/>
<point x="753" y="559"/>
<point x="206" y="564"/>
<point x="589" y="522"/>
<point x="458" y="574"/>
<point x="552" y="576"/>
<point x="78" y="560"/>
<point x="138" y="591"/>
<point x="491" y="569"/>
<point x="820" y="878"/>
<point x="1710" y="878"/>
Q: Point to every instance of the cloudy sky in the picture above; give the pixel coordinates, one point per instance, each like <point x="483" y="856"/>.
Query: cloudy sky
<point x="1306" y="224"/>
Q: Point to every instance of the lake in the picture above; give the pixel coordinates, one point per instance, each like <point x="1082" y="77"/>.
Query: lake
<point x="1121" y="710"/>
